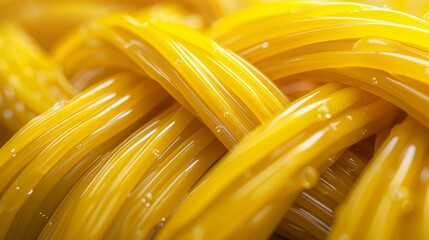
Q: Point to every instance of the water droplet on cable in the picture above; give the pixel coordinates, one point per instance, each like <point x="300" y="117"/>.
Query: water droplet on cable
<point x="20" y="107"/>
<point x="376" y="44"/>
<point x="407" y="206"/>
<point x="365" y="130"/>
<point x="8" y="114"/>
<point x="399" y="194"/>
<point x="128" y="45"/>
<point x="198" y="232"/>
<point x="178" y="62"/>
<point x="156" y="152"/>
<point x="323" y="113"/>
<point x="9" y="92"/>
<point x="424" y="175"/>
<point x="59" y="104"/>
<point x="265" y="45"/>
<point x="149" y="196"/>
<point x="333" y="126"/>
<point x="344" y="237"/>
<point x="30" y="192"/>
<point x="45" y="216"/>
<point x="309" y="177"/>
<point x="374" y="81"/>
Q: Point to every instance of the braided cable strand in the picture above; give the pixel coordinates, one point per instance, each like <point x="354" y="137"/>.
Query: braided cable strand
<point x="243" y="119"/>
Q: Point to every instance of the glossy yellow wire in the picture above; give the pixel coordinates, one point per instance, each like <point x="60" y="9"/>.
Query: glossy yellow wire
<point x="167" y="88"/>
<point x="30" y="82"/>
<point x="164" y="187"/>
<point x="65" y="210"/>
<point x="312" y="211"/>
<point x="396" y="183"/>
<point x="203" y="209"/>
<point x="344" y="36"/>
<point x="142" y="152"/>
<point x="193" y="70"/>
<point x="30" y="139"/>
<point x="73" y="142"/>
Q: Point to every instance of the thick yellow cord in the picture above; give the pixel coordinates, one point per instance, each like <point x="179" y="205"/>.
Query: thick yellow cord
<point x="30" y="82"/>
<point x="231" y="101"/>
<point x="392" y="190"/>
<point x="71" y="143"/>
<point x="312" y="211"/>
<point x="219" y="119"/>
<point x="345" y="36"/>
<point x="260" y="174"/>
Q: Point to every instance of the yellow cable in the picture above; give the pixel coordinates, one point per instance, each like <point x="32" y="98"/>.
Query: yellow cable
<point x="164" y="187"/>
<point x="301" y="93"/>
<point x="348" y="36"/>
<point x="30" y="82"/>
<point x="396" y="185"/>
<point x="266" y="182"/>
<point x="313" y="210"/>
<point x="187" y="69"/>
<point x="73" y="142"/>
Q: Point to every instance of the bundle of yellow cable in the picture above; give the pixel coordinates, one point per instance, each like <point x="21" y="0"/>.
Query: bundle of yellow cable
<point x="30" y="83"/>
<point x="243" y="119"/>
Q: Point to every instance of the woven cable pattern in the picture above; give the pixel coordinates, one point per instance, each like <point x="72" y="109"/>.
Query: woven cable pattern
<point x="244" y="119"/>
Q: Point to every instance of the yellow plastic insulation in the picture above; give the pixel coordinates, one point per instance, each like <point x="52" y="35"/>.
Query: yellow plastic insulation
<point x="218" y="119"/>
